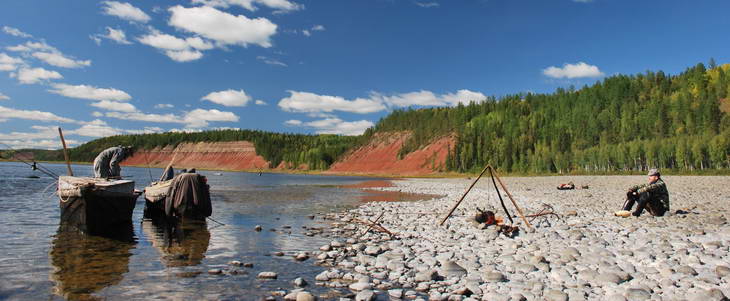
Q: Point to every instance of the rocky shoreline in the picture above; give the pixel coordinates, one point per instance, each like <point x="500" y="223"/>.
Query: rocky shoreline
<point x="585" y="253"/>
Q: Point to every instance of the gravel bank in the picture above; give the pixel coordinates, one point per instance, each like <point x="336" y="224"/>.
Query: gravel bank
<point x="586" y="254"/>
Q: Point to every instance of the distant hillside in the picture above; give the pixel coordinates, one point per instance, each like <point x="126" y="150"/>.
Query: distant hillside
<point x="622" y="123"/>
<point x="619" y="124"/>
<point x="315" y="151"/>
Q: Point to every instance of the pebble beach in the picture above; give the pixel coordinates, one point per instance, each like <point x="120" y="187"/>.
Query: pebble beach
<point x="582" y="252"/>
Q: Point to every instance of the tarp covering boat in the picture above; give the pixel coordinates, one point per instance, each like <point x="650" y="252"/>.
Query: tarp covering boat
<point x="185" y="195"/>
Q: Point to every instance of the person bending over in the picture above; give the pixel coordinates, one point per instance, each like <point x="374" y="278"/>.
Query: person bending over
<point x="652" y="196"/>
<point x="106" y="164"/>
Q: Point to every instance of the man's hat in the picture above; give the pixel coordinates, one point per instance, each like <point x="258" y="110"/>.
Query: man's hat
<point x="653" y="172"/>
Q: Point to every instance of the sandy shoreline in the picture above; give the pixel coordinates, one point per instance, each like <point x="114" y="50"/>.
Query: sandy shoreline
<point x="586" y="254"/>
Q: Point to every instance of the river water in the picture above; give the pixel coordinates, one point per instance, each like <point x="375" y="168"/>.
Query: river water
<point x="40" y="260"/>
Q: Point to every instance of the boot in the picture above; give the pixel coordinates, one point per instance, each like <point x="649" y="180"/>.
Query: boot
<point x="639" y="208"/>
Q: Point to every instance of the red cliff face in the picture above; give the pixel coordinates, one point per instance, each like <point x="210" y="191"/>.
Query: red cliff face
<point x="234" y="155"/>
<point x="379" y="156"/>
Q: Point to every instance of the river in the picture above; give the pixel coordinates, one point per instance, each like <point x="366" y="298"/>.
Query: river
<point x="40" y="260"/>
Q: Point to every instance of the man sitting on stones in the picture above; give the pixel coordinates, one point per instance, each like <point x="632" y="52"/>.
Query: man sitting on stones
<point x="106" y="164"/>
<point x="653" y="196"/>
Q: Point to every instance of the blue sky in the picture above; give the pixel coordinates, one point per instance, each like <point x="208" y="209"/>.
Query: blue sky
<point x="100" y="68"/>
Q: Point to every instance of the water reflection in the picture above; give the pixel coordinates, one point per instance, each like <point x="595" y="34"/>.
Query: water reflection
<point x="85" y="264"/>
<point x="179" y="243"/>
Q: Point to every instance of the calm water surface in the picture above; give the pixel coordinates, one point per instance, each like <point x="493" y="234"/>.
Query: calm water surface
<point x="40" y="260"/>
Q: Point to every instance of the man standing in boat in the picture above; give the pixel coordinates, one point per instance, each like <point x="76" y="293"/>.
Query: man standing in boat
<point x="106" y="164"/>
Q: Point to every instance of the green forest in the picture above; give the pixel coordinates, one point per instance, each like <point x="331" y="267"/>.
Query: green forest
<point x="622" y="123"/>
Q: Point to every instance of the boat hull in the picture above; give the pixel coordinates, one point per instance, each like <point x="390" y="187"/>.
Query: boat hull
<point x="97" y="209"/>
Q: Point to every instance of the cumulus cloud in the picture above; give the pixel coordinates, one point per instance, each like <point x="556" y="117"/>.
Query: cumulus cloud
<point x="10" y="113"/>
<point x="278" y="5"/>
<point x="116" y="35"/>
<point x="260" y="102"/>
<point x="334" y="126"/>
<point x="180" y="50"/>
<point x="271" y="61"/>
<point x="222" y="27"/>
<point x="184" y="55"/>
<point x="59" y="60"/>
<point x="316" y="104"/>
<point x="30" y="46"/>
<point x="9" y="63"/>
<point x="578" y="70"/>
<point x="46" y="136"/>
<point x="164" y="106"/>
<point x="228" y="98"/>
<point x="90" y="92"/>
<point x="16" y="32"/>
<point x="3" y="96"/>
<point x="427" y="4"/>
<point x="125" y="11"/>
<point x="197" y="118"/>
<point x="35" y="75"/>
<point x="308" y="32"/>
<point x="310" y="102"/>
<point x="115" y="106"/>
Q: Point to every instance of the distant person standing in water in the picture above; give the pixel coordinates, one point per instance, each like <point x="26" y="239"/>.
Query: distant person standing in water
<point x="106" y="164"/>
<point x="653" y="196"/>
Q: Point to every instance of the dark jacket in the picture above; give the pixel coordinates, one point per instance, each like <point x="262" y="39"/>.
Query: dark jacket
<point x="657" y="192"/>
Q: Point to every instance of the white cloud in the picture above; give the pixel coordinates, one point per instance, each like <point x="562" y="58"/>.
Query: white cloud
<point x="116" y="35"/>
<point x="583" y="1"/>
<point x="90" y="92"/>
<point x="228" y="98"/>
<point x="47" y="136"/>
<point x="463" y="96"/>
<point x="318" y="28"/>
<point x="164" y="106"/>
<point x="3" y="96"/>
<point x="180" y="50"/>
<point x="308" y="32"/>
<point x="578" y="70"/>
<point x="9" y="113"/>
<point x="16" y="32"/>
<point x="222" y="27"/>
<point x="125" y="11"/>
<point x="115" y="106"/>
<point x="197" y="118"/>
<point x="317" y="104"/>
<point x="310" y="102"/>
<point x="184" y="55"/>
<point x="59" y="60"/>
<point x="427" y="4"/>
<point x="420" y="98"/>
<point x="9" y="63"/>
<point x="334" y="126"/>
<point x="279" y="5"/>
<point x="271" y="61"/>
<point x="35" y="75"/>
<point x="260" y="102"/>
<point x="29" y="46"/>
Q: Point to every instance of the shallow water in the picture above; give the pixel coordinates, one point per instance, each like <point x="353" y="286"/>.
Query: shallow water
<point x="40" y="260"/>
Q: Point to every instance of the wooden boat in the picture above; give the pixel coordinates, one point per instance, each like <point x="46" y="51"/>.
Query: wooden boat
<point x="187" y="195"/>
<point x="96" y="205"/>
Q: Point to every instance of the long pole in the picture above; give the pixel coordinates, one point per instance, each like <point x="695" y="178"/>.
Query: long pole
<point x="463" y="196"/>
<point x="65" y="152"/>
<point x="522" y="215"/>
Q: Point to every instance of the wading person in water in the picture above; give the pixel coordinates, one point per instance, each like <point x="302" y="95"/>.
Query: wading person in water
<point x="653" y="196"/>
<point x="106" y="164"/>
